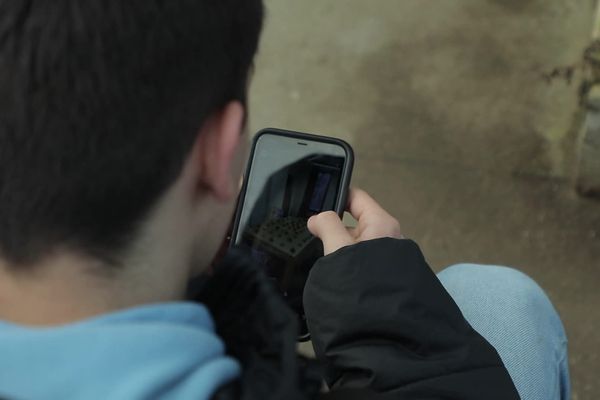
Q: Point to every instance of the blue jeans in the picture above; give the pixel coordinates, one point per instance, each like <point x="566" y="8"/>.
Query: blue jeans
<point x="514" y="314"/>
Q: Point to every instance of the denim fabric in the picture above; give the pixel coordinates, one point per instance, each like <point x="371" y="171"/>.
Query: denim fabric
<point x="514" y="314"/>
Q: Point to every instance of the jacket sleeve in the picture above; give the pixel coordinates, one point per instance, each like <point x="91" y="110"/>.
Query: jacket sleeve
<point x="380" y="319"/>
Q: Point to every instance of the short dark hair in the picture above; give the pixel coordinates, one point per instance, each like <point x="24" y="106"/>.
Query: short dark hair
<point x="100" y="104"/>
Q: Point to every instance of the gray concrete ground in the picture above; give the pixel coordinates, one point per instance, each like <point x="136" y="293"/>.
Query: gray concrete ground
<point x="455" y="129"/>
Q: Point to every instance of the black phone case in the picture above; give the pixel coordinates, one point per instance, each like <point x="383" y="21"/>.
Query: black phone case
<point x="341" y="202"/>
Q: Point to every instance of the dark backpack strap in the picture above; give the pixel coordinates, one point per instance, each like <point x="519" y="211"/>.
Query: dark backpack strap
<point x="355" y="394"/>
<point x="260" y="331"/>
<point x="231" y="391"/>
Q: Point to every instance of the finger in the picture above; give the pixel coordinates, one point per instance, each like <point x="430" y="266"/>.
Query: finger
<point x="375" y="222"/>
<point x="329" y="228"/>
<point x="361" y="204"/>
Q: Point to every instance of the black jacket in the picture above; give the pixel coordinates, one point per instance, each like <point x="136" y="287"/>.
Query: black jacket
<point x="380" y="320"/>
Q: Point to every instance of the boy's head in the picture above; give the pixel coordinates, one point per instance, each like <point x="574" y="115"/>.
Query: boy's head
<point x="105" y="106"/>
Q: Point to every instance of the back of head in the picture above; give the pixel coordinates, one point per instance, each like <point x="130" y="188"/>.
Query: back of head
<point x="100" y="103"/>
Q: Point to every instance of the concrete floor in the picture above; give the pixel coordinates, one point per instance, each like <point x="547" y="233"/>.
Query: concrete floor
<point x="455" y="130"/>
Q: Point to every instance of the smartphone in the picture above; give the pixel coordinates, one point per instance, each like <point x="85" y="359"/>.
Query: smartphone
<point x="290" y="177"/>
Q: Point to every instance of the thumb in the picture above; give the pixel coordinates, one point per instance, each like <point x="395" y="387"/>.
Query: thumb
<point x="328" y="227"/>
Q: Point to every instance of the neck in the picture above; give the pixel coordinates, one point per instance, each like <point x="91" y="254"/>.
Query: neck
<point x="66" y="288"/>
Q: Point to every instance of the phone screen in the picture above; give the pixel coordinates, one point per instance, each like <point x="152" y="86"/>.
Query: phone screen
<point x="290" y="179"/>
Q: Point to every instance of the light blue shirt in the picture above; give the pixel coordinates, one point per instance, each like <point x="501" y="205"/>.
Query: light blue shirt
<point x="166" y="351"/>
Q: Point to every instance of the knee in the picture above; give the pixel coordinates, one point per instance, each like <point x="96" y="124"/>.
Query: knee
<point x="515" y="316"/>
<point x="505" y="293"/>
<point x="493" y="279"/>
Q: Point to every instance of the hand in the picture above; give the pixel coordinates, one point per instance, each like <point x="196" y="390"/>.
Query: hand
<point x="373" y="223"/>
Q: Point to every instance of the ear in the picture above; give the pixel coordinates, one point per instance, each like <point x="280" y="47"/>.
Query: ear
<point x="218" y="143"/>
